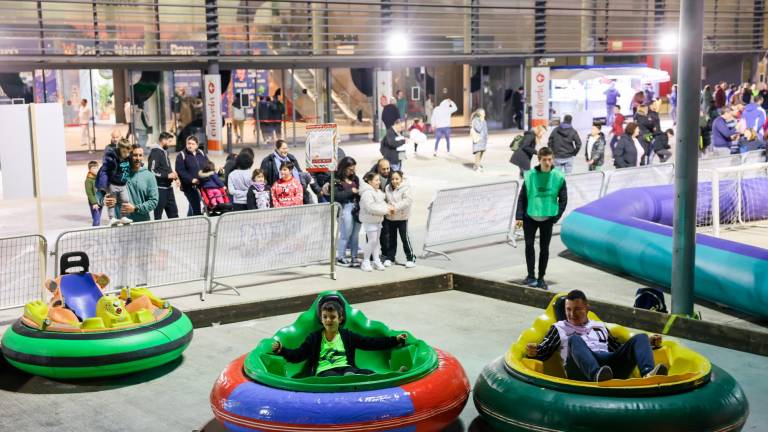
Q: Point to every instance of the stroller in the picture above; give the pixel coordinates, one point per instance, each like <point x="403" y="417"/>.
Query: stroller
<point x="218" y="208"/>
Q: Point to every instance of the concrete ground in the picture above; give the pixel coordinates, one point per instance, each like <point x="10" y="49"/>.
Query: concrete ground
<point x="175" y="397"/>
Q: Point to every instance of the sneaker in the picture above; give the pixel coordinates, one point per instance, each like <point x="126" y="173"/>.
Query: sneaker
<point x="354" y="263"/>
<point x="530" y="281"/>
<point x="434" y="154"/>
<point x="378" y="266"/>
<point x="343" y="262"/>
<point x="410" y="264"/>
<point x="604" y="374"/>
<point x="387" y="263"/>
<point x="659" y="369"/>
<point x="366" y="266"/>
<point x="540" y="284"/>
<point x="115" y="222"/>
<point x="125" y="221"/>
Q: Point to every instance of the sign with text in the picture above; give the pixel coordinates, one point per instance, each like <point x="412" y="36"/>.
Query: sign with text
<point x="540" y="96"/>
<point x="212" y="90"/>
<point x="320" y="148"/>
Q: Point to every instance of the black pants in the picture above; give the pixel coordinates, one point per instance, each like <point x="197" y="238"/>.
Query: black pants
<point x="166" y="201"/>
<point x="519" y="119"/>
<point x="389" y="240"/>
<point x="664" y="155"/>
<point x="545" y="235"/>
<point x="239" y="207"/>
<point x="193" y="196"/>
<point x="345" y="370"/>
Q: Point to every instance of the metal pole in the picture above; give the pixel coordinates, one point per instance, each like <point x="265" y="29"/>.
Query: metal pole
<point x="690" y="36"/>
<point x="293" y="105"/>
<point x="93" y="112"/>
<point x="328" y="100"/>
<point x="36" y="168"/>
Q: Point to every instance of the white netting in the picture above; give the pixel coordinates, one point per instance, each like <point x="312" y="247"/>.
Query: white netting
<point x="732" y="197"/>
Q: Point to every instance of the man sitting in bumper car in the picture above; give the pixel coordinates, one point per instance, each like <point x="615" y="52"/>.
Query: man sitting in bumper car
<point x="589" y="351"/>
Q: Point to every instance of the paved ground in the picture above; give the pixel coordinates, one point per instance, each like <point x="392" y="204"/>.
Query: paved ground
<point x="175" y="397"/>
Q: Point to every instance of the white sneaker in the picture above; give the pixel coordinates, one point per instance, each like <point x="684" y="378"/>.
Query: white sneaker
<point x="387" y="263"/>
<point x="115" y="222"/>
<point x="410" y="264"/>
<point x="125" y="221"/>
<point x="378" y="266"/>
<point x="366" y="266"/>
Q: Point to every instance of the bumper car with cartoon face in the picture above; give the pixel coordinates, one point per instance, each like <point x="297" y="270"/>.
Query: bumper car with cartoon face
<point x="81" y="332"/>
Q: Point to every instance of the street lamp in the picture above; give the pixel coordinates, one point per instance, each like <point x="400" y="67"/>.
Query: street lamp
<point x="397" y="44"/>
<point x="668" y="42"/>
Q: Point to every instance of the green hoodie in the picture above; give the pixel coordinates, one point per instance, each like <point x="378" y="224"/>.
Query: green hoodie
<point x="143" y="189"/>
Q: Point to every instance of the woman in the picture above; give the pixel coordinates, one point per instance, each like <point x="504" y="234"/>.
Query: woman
<point x="239" y="180"/>
<point x="629" y="152"/>
<point x="524" y="153"/>
<point x="750" y="142"/>
<point x="594" y="150"/>
<point x="189" y="162"/>
<point x="646" y="124"/>
<point x="707" y="98"/>
<point x="287" y="191"/>
<point x="347" y="194"/>
<point x="271" y="164"/>
<point x="479" y="134"/>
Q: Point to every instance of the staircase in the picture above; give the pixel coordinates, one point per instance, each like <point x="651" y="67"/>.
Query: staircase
<point x="342" y="113"/>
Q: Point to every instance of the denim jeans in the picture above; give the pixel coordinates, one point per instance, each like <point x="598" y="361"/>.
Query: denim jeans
<point x="95" y="216"/>
<point x="609" y="114"/>
<point x="349" y="232"/>
<point x="582" y="363"/>
<point x="566" y="164"/>
<point x="439" y="134"/>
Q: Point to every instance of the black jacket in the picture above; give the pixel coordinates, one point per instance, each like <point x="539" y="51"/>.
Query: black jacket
<point x="389" y="145"/>
<point x="564" y="141"/>
<point x="272" y="170"/>
<point x="597" y="151"/>
<point x="661" y="142"/>
<point x="523" y="155"/>
<point x="389" y="114"/>
<point x="310" y="348"/>
<point x="625" y="154"/>
<point x="188" y="166"/>
<point x="522" y="201"/>
<point x="160" y="165"/>
<point x="517" y="101"/>
<point x="344" y="195"/>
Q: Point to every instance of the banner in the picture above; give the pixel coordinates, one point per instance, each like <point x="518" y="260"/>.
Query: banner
<point x="540" y="96"/>
<point x="213" y="112"/>
<point x="320" y="147"/>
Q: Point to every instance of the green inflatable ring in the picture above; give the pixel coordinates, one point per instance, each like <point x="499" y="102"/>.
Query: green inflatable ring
<point x="97" y="354"/>
<point x="509" y="404"/>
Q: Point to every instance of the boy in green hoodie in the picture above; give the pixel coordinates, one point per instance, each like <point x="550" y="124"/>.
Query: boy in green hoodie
<point x="93" y="195"/>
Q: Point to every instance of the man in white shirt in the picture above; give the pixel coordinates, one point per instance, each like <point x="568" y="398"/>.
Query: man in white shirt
<point x="84" y="118"/>
<point x="588" y="350"/>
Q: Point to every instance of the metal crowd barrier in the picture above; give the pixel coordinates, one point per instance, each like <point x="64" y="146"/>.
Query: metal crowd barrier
<point x="719" y="162"/>
<point x="649" y="175"/>
<point x="266" y="240"/>
<point x="583" y="188"/>
<point x="22" y="270"/>
<point x="152" y="254"/>
<point x="470" y="212"/>
<point x="755" y="156"/>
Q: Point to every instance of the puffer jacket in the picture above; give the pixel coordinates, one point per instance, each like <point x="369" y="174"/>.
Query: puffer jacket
<point x="373" y="204"/>
<point x="402" y="199"/>
<point x="564" y="141"/>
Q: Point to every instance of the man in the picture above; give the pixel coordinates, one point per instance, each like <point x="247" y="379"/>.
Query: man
<point x="617" y="128"/>
<point x="588" y="350"/>
<point x="540" y="205"/>
<point x="611" y="97"/>
<point x="723" y="134"/>
<point x="160" y="166"/>
<point x="565" y="143"/>
<point x="402" y="104"/>
<point x="518" y="106"/>
<point x="720" y="96"/>
<point x="382" y="168"/>
<point x="143" y="189"/>
<point x="114" y="137"/>
<point x="84" y="118"/>
<point x="390" y="113"/>
<point x="754" y="116"/>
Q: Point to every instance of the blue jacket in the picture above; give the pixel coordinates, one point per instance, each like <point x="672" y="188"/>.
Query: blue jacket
<point x="188" y="166"/>
<point x="721" y="133"/>
<point x="611" y="95"/>
<point x="211" y="180"/>
<point x="754" y="117"/>
<point x="113" y="170"/>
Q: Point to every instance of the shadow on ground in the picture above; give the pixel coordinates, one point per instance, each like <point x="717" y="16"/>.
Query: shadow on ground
<point x="17" y="381"/>
<point x="457" y="426"/>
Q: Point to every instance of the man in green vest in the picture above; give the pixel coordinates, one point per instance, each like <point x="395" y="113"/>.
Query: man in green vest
<point x="540" y="205"/>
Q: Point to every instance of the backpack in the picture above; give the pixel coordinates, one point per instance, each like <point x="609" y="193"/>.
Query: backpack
<point x="516" y="141"/>
<point x="650" y="299"/>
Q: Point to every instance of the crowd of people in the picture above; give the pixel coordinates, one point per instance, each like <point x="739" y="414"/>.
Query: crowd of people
<point x="732" y="118"/>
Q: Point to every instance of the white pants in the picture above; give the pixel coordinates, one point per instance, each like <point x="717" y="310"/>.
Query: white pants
<point x="372" y="246"/>
<point x="85" y="135"/>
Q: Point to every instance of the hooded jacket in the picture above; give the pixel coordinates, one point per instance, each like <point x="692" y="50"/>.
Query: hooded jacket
<point x="144" y="196"/>
<point x="754" y="118"/>
<point x="441" y="115"/>
<point x="373" y="205"/>
<point x="238" y="182"/>
<point x="160" y="165"/>
<point x="564" y="141"/>
<point x="389" y="144"/>
<point x="402" y="199"/>
<point x="113" y="171"/>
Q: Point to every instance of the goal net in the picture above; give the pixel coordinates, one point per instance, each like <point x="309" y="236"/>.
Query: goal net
<point x="732" y="197"/>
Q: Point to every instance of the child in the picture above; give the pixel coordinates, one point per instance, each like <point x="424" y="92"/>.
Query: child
<point x="594" y="150"/>
<point x="212" y="185"/>
<point x="373" y="207"/>
<point x="331" y="351"/>
<point x="258" y="196"/>
<point x="661" y="146"/>
<point x="287" y="191"/>
<point x="398" y="193"/>
<point x="113" y="176"/>
<point x="416" y="134"/>
<point x="93" y="195"/>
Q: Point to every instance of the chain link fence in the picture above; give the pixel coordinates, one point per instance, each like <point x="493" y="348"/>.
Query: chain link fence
<point x="23" y="269"/>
